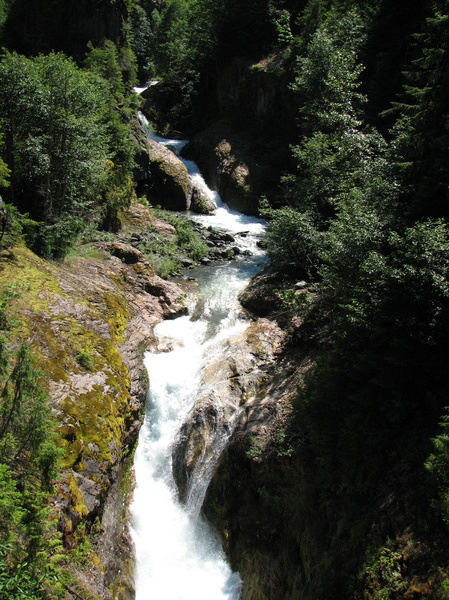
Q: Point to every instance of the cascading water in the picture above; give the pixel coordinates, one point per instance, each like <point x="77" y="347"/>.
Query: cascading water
<point x="178" y="556"/>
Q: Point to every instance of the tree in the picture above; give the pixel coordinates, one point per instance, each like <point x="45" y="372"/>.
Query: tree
<point x="335" y="149"/>
<point x="28" y="458"/>
<point x="61" y="133"/>
<point x="293" y="242"/>
<point x="143" y="22"/>
<point x="421" y="141"/>
<point x="4" y="170"/>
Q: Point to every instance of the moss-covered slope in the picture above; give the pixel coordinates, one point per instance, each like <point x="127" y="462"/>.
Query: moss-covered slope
<point x="88" y="321"/>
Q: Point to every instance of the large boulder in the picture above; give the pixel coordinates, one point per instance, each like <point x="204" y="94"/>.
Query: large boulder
<point x="200" y="202"/>
<point x="164" y="177"/>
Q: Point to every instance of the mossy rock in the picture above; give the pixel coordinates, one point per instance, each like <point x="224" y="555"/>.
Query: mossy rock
<point x="170" y="182"/>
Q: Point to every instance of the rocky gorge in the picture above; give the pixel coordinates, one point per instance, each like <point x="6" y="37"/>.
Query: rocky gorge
<point x="91" y="319"/>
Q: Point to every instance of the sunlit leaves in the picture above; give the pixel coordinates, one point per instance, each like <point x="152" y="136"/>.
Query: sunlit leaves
<point x="60" y="132"/>
<point x="294" y="241"/>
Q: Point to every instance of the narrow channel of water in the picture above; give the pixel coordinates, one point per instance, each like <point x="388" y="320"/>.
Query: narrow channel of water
<point x="178" y="556"/>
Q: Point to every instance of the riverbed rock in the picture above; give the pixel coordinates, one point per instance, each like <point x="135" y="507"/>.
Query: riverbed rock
<point x="230" y="385"/>
<point x="261" y="296"/>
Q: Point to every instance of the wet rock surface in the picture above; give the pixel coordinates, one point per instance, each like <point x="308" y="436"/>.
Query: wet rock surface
<point x="229" y="391"/>
<point x="165" y="179"/>
<point x="227" y="167"/>
<point x="237" y="165"/>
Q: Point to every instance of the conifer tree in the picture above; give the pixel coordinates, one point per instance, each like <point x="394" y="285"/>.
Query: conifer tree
<point x="422" y="130"/>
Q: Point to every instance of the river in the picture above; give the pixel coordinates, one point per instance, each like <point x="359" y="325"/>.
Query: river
<point x="178" y="555"/>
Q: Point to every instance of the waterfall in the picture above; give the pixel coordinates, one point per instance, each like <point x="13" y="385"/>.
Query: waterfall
<point x="178" y="556"/>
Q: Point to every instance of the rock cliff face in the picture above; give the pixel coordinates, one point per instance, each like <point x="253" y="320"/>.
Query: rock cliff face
<point x="254" y="479"/>
<point x="247" y="398"/>
<point x="287" y="527"/>
<point x="253" y="95"/>
<point x="89" y="322"/>
<point x="229" y="391"/>
<point x="167" y="181"/>
<point x="240" y="143"/>
<point x="225" y="163"/>
<point x="35" y="27"/>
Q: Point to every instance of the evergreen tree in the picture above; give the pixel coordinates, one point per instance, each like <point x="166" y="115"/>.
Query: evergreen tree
<point x="422" y="131"/>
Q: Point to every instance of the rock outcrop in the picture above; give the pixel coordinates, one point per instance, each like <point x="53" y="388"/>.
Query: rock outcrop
<point x="237" y="165"/>
<point x="89" y="322"/>
<point x="246" y="400"/>
<point x="253" y="95"/>
<point x="230" y="388"/>
<point x="163" y="178"/>
<point x="226" y="167"/>
<point x="240" y="143"/>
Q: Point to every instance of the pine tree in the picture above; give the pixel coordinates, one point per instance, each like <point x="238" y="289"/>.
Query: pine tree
<point x="422" y="131"/>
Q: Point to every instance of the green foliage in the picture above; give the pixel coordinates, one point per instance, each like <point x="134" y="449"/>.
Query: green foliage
<point x="28" y="457"/>
<point x="4" y="170"/>
<point x="421" y="141"/>
<point x="11" y="511"/>
<point x="20" y="580"/>
<point x="293" y="241"/>
<point x="193" y="37"/>
<point x="68" y="148"/>
<point x="184" y="44"/>
<point x="144" y="20"/>
<point x="116" y="65"/>
<point x="299" y="302"/>
<point x="25" y="422"/>
<point x="437" y="464"/>
<point x="337" y="154"/>
<point x="55" y="141"/>
<point x="166" y="255"/>
<point x="283" y="29"/>
<point x="327" y="79"/>
<point x="105" y="62"/>
<point x="5" y="6"/>
<point x="85" y="360"/>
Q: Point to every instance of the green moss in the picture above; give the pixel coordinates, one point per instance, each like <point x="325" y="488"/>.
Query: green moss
<point x="35" y="276"/>
<point x="92" y="413"/>
<point x="99" y="414"/>
<point x="77" y="499"/>
<point x="117" y="314"/>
